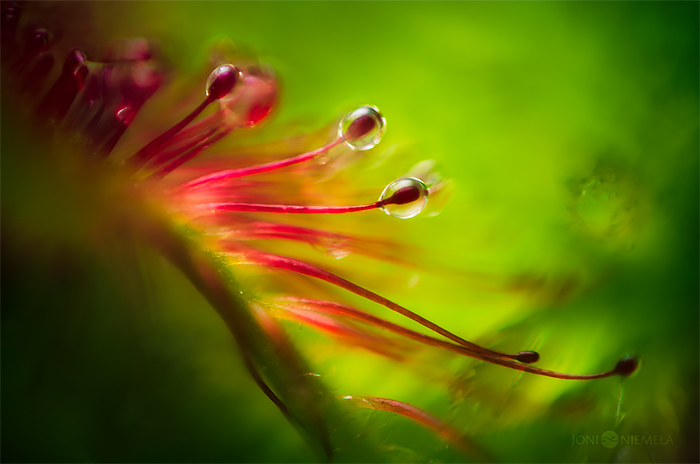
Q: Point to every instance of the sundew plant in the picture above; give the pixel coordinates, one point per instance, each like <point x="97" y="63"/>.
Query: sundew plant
<point x="350" y="232"/>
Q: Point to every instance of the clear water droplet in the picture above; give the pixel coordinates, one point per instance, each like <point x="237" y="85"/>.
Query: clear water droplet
<point x="125" y="114"/>
<point x="322" y="158"/>
<point x="404" y="198"/>
<point x="336" y="249"/>
<point x="333" y="247"/>
<point x="363" y="128"/>
<point x="221" y="82"/>
<point x="253" y="100"/>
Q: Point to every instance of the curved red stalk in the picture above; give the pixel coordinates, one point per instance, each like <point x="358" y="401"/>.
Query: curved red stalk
<point x="482" y="354"/>
<point x="329" y="307"/>
<point x="284" y="209"/>
<point x="164" y="155"/>
<point x="248" y="171"/>
<point x="378" y="344"/>
<point x="290" y="264"/>
<point x="368" y="246"/>
<point x="624" y="367"/>
<point x="194" y="132"/>
<point x="144" y="154"/>
<point x="441" y="428"/>
<point x="189" y="154"/>
<point x="400" y="197"/>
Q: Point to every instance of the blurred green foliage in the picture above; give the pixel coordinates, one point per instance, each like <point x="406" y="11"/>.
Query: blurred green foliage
<point x="570" y="131"/>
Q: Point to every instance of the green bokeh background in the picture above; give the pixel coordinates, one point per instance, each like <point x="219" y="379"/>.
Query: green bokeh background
<point x="570" y="133"/>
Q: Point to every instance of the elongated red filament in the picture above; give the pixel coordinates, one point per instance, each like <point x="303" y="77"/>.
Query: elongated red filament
<point x="328" y="307"/>
<point x="418" y="415"/>
<point x="625" y="367"/>
<point x="166" y="155"/>
<point x="282" y="262"/>
<point x="286" y="209"/>
<point x="221" y="81"/>
<point x="144" y="154"/>
<point x="345" y="331"/>
<point x="249" y="171"/>
<point x="400" y="197"/>
<point x="189" y="154"/>
<point x="360" y="127"/>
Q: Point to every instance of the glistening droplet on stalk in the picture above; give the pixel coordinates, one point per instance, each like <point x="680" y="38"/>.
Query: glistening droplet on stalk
<point x="254" y="98"/>
<point x="37" y="42"/>
<point x="463" y="346"/>
<point x="404" y="198"/>
<point x="220" y="82"/>
<point x="248" y="255"/>
<point x="319" y="153"/>
<point x="363" y="128"/>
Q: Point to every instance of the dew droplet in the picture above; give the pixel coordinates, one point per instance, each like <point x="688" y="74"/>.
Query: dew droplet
<point x="75" y="59"/>
<point x="404" y="198"/>
<point x="221" y="82"/>
<point x="363" y="128"/>
<point x="322" y="158"/>
<point x="125" y="114"/>
<point x="262" y="94"/>
<point x="335" y="248"/>
<point x="10" y="21"/>
<point x="253" y="100"/>
<point x="38" y="42"/>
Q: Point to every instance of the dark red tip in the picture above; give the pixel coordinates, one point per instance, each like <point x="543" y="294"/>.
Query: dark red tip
<point x="38" y="42"/>
<point x="527" y="357"/>
<point x="403" y="196"/>
<point x="626" y="367"/>
<point x="361" y="127"/>
<point x="259" y="112"/>
<point x="10" y="20"/>
<point x="74" y="58"/>
<point x="224" y="82"/>
<point x="81" y="73"/>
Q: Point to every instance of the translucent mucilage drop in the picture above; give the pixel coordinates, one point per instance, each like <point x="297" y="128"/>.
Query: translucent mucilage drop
<point x="125" y="114"/>
<point x="253" y="99"/>
<point x="221" y="82"/>
<point x="409" y="187"/>
<point x="363" y="128"/>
